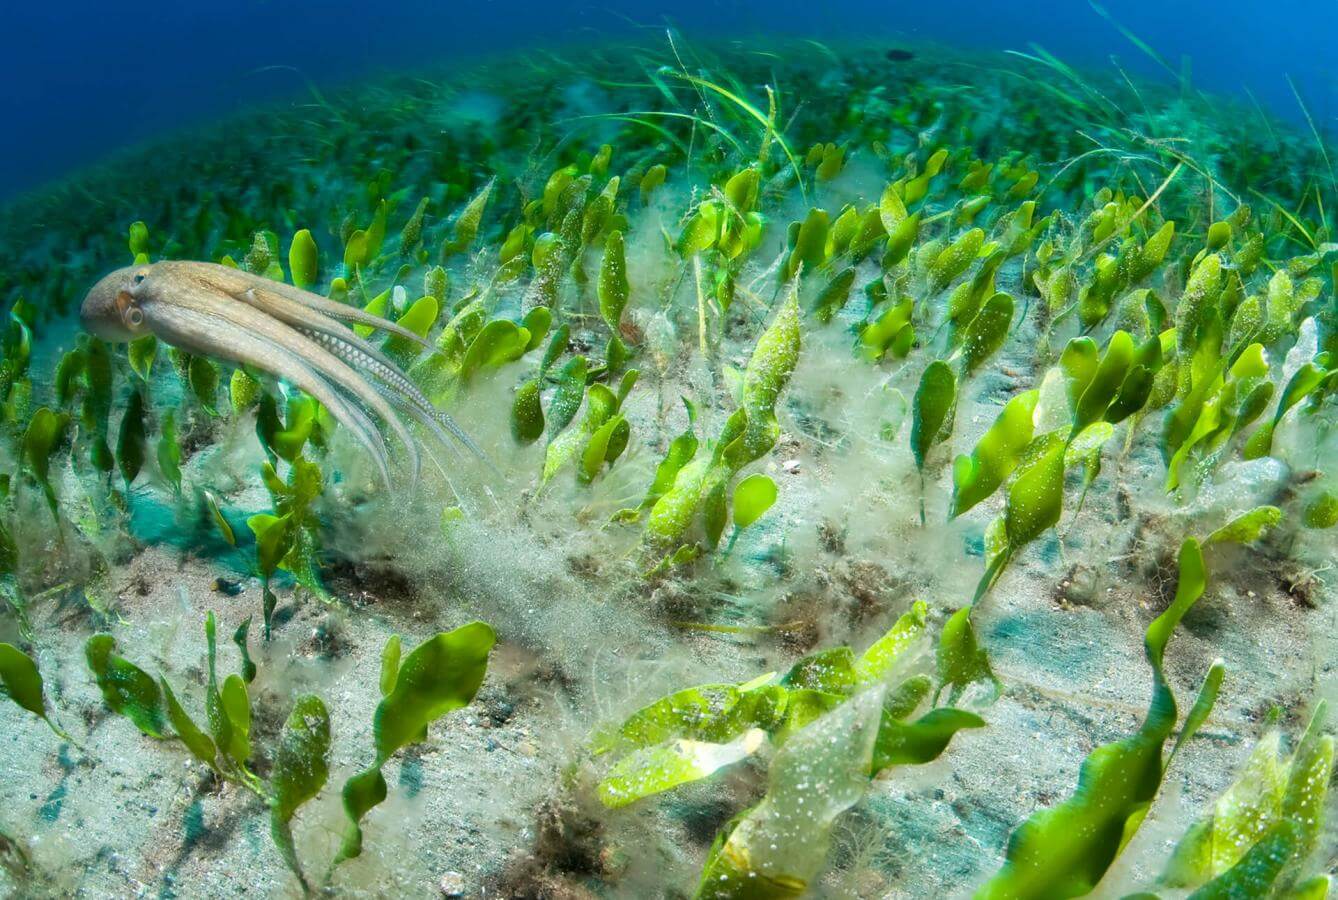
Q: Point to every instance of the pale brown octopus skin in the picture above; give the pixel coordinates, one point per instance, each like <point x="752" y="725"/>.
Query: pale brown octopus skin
<point x="300" y="337"/>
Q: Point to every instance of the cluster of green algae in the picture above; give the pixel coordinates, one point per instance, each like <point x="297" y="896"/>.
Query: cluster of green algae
<point x="1166" y="275"/>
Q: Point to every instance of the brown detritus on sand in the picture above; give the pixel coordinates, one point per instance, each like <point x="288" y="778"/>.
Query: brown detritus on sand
<point x="568" y="847"/>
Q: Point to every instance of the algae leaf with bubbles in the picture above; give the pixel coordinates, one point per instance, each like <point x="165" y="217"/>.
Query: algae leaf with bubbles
<point x="776" y="848"/>
<point x="1306" y="380"/>
<point x="997" y="454"/>
<point x="613" y="286"/>
<point x="301" y="766"/>
<point x="766" y="376"/>
<point x="960" y="659"/>
<point x="1276" y="804"/>
<point x="692" y="733"/>
<point x="652" y="770"/>
<point x="1036" y="496"/>
<point x="986" y="332"/>
<point x="1064" y="851"/>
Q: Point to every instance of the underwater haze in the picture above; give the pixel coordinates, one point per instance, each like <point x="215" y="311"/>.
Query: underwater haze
<point x="730" y="451"/>
<point x="85" y="79"/>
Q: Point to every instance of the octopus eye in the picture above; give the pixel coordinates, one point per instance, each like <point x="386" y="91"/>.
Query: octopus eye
<point x="139" y="277"/>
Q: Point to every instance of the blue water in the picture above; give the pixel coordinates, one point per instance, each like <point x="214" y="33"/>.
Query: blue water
<point x="86" y="77"/>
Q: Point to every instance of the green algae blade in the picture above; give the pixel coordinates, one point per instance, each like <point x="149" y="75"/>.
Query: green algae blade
<point x="126" y="688"/>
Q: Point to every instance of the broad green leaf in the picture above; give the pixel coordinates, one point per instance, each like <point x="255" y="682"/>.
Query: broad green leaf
<point x="1065" y="850"/>
<point x="243" y="391"/>
<point x="1322" y="512"/>
<point x="1079" y="362"/>
<point x="599" y="406"/>
<point x="891" y="208"/>
<point x="301" y="765"/>
<point x="835" y="295"/>
<point x="672" y="512"/>
<point x="810" y="245"/>
<point x="892" y="332"/>
<point x="21" y="681"/>
<point x="932" y="410"/>
<point x="169" y="451"/>
<point x="768" y="372"/>
<point x="390" y="664"/>
<point x="1302" y="384"/>
<point x="916" y="743"/>
<point x="1246" y="528"/>
<point x="301" y="760"/>
<point x="1200" y="290"/>
<point x="880" y="659"/>
<point x="976" y="477"/>
<point x="501" y="341"/>
<point x="753" y="496"/>
<point x="468" y="221"/>
<point x="126" y="688"/>
<point x="900" y="241"/>
<point x="142" y="352"/>
<point x="236" y="706"/>
<point x="567" y="398"/>
<point x="708" y="713"/>
<point x="138" y="240"/>
<point x="955" y="259"/>
<point x="46" y="431"/>
<point x="773" y="359"/>
<point x="412" y="232"/>
<point x="653" y="770"/>
<point x="204" y="382"/>
<point x="960" y="659"/>
<point x="200" y="745"/>
<point x="527" y="413"/>
<point x="440" y="675"/>
<point x="304" y="260"/>
<point x="273" y="540"/>
<point x="987" y="332"/>
<point x="613" y="287"/>
<point x="419" y="319"/>
<point x="701" y="231"/>
<point x="1105" y="382"/>
<point x="609" y="437"/>
<point x="777" y="848"/>
<point x="1036" y="497"/>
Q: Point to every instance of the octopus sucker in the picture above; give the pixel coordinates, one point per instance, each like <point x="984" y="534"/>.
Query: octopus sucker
<point x="299" y="337"/>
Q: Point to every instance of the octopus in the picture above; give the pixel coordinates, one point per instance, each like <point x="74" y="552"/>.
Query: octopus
<point x="294" y="335"/>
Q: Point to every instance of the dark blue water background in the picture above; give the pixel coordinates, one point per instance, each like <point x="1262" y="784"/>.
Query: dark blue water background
<point x="83" y="78"/>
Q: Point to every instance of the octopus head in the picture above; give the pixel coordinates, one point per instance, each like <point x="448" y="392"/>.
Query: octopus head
<point x="112" y="310"/>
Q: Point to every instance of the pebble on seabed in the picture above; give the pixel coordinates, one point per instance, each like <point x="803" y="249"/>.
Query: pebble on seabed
<point x="452" y="884"/>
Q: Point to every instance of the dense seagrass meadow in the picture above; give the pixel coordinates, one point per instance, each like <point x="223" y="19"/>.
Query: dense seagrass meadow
<point x="901" y="473"/>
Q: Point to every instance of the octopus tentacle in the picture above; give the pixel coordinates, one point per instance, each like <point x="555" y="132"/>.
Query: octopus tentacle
<point x="290" y="341"/>
<point x="280" y="300"/>
<point x="318" y="318"/>
<point x="367" y="358"/>
<point x="199" y="332"/>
